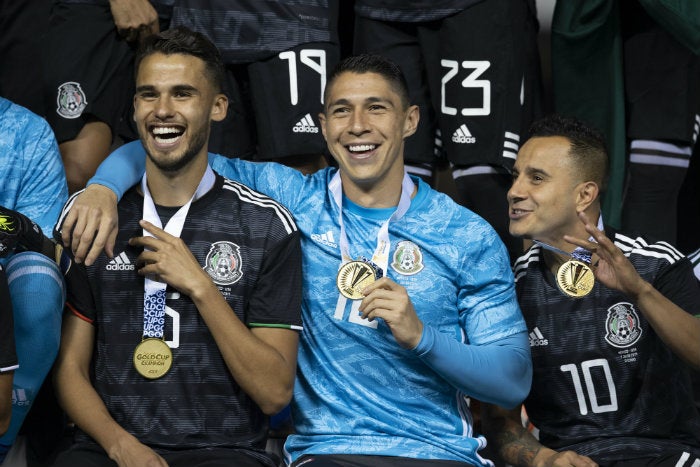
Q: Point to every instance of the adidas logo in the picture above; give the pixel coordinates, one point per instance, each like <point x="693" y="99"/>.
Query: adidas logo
<point x="463" y="135"/>
<point x="305" y="125"/>
<point x="537" y="339"/>
<point x="19" y="398"/>
<point x="120" y="263"/>
<point x="325" y="238"/>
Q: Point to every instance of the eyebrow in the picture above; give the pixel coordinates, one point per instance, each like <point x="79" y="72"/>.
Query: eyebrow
<point x="176" y="88"/>
<point x="368" y="100"/>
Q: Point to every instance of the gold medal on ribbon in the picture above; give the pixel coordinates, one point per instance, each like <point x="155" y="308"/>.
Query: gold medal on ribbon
<point x="575" y="278"/>
<point x="353" y="277"/>
<point x="152" y="358"/>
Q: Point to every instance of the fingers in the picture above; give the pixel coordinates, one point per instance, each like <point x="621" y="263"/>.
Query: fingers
<point x="83" y="233"/>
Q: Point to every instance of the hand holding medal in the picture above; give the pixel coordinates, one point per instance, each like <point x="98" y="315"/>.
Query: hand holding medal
<point x="610" y="266"/>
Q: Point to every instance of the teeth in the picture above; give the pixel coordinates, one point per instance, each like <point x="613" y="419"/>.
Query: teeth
<point x="362" y="147"/>
<point x="165" y="130"/>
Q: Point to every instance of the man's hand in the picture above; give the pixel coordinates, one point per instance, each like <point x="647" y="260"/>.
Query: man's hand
<point x="129" y="452"/>
<point x="167" y="258"/>
<point x="91" y="224"/>
<point x="610" y="266"/>
<point x="549" y="458"/>
<point x="135" y="19"/>
<point x="388" y="300"/>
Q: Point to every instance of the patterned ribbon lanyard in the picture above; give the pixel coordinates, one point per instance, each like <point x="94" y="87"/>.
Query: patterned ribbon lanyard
<point x="354" y="276"/>
<point x="579" y="253"/>
<point x="154" y="291"/>
<point x="575" y="277"/>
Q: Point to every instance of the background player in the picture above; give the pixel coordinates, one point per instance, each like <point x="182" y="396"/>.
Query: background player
<point x="33" y="184"/>
<point x="277" y="55"/>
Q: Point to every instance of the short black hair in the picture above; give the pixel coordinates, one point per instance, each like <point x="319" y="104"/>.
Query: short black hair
<point x="372" y="63"/>
<point x="181" y="40"/>
<point x="588" y="149"/>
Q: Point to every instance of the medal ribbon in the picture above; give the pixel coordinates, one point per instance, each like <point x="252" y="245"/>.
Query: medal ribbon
<point x="381" y="253"/>
<point x="154" y="291"/>
<point x="579" y="253"/>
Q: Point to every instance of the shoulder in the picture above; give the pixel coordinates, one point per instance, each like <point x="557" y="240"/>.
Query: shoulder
<point x="526" y="262"/>
<point x="258" y="202"/>
<point x="638" y="247"/>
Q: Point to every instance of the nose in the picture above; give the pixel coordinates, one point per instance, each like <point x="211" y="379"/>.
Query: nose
<point x="163" y="107"/>
<point x="516" y="190"/>
<point x="359" y="123"/>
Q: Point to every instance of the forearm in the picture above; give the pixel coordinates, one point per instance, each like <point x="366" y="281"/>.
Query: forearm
<point x="84" y="406"/>
<point x="122" y="169"/>
<point x="499" y="373"/>
<point x="263" y="372"/>
<point x="679" y="330"/>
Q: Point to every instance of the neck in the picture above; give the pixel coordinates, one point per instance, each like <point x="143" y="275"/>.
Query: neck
<point x="171" y="189"/>
<point x="385" y="194"/>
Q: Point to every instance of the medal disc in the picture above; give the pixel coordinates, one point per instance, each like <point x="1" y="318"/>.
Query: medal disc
<point x="353" y="277"/>
<point x="152" y="358"/>
<point x="575" y="278"/>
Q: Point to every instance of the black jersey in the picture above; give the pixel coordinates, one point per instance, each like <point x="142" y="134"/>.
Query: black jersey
<point x="410" y="11"/>
<point x="249" y="245"/>
<point x="604" y="384"/>
<point x="246" y="31"/>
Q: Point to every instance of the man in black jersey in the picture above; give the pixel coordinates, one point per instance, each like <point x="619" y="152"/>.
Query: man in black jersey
<point x="177" y="350"/>
<point x="611" y="320"/>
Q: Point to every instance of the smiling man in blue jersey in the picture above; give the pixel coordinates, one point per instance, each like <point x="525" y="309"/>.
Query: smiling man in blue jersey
<point x="408" y="298"/>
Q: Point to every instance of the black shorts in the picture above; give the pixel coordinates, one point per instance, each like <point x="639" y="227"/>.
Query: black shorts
<point x="23" y="25"/>
<point x="475" y="75"/>
<point x="372" y="461"/>
<point x="662" y="86"/>
<point x="274" y="105"/>
<point x="88" y="68"/>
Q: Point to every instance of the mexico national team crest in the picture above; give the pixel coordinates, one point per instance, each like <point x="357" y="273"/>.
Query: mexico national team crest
<point x="408" y="259"/>
<point x="622" y="325"/>
<point x="223" y="263"/>
<point x="71" y="100"/>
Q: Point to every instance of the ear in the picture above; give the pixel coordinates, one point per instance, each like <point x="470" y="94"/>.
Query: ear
<point x="219" y="108"/>
<point x="586" y="194"/>
<point x="322" y="122"/>
<point x="411" y="121"/>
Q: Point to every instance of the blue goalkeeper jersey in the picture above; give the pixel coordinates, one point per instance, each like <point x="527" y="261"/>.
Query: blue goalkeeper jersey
<point x="33" y="178"/>
<point x="358" y="391"/>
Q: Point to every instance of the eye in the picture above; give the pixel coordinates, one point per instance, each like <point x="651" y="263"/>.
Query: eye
<point x="377" y="108"/>
<point x="147" y="95"/>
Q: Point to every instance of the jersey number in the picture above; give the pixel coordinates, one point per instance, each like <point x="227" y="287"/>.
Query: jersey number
<point x="175" y="342"/>
<point x="314" y="59"/>
<point x="471" y="81"/>
<point x="590" y="389"/>
<point x="354" y="316"/>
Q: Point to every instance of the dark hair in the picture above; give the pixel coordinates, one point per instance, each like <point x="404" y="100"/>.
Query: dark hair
<point x="588" y="150"/>
<point x="181" y="40"/>
<point x="372" y="63"/>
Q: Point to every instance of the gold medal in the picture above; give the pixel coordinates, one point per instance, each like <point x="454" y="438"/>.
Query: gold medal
<point x="353" y="277"/>
<point x="152" y="358"/>
<point x="575" y="278"/>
